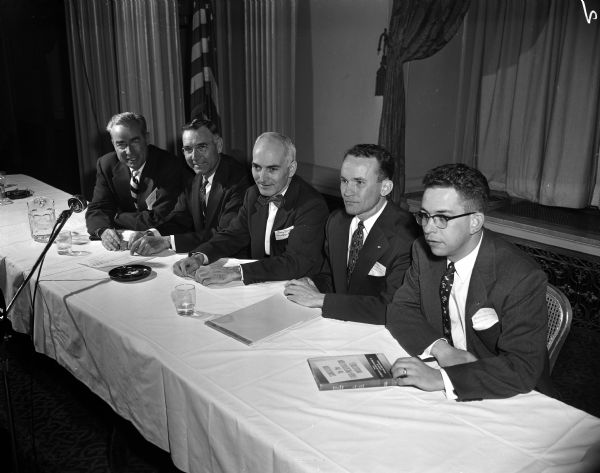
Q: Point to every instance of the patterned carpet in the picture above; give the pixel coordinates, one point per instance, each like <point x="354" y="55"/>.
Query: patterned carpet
<point x="62" y="427"/>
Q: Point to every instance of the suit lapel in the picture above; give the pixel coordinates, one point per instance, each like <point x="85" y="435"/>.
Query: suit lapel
<point x="257" y="225"/>
<point x="338" y="252"/>
<point x="195" y="203"/>
<point x="121" y="178"/>
<point x="216" y="192"/>
<point x="374" y="247"/>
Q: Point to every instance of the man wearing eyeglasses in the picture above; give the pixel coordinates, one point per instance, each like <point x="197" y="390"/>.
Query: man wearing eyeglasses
<point x="281" y="219"/>
<point x="367" y="244"/>
<point x="210" y="200"/>
<point x="137" y="185"/>
<point x="470" y="299"/>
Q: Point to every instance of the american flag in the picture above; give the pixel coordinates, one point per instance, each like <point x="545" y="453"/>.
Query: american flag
<point x="203" y="74"/>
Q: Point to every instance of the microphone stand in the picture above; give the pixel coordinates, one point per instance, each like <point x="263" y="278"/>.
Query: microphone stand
<point x="6" y="331"/>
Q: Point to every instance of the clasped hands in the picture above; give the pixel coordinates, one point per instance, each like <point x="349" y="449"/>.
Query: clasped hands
<point x="196" y="268"/>
<point x="412" y="371"/>
<point x="139" y="242"/>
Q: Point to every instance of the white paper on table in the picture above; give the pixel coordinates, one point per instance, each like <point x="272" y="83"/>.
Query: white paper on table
<point x="112" y="259"/>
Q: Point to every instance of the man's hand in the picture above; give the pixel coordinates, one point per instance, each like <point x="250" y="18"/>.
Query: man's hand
<point x="217" y="273"/>
<point x="447" y="355"/>
<point x="111" y="240"/>
<point x="187" y="266"/>
<point x="304" y="292"/>
<point x="149" y="245"/>
<point x="413" y="372"/>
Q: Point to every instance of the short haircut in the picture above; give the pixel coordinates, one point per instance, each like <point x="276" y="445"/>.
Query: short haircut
<point x="290" y="149"/>
<point x="387" y="164"/>
<point x="127" y="119"/>
<point x="201" y="122"/>
<point x="469" y="182"/>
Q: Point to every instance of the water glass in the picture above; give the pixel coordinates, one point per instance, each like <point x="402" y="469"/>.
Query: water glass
<point x="64" y="242"/>
<point x="184" y="298"/>
<point x="41" y="218"/>
<point x="3" y="199"/>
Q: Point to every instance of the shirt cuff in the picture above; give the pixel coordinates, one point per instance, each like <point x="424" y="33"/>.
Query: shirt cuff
<point x="172" y="238"/>
<point x="241" y="272"/>
<point x="448" y="386"/>
<point x="427" y="352"/>
<point x="153" y="232"/>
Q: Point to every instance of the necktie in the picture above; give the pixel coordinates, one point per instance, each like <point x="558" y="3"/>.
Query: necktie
<point x="355" y="246"/>
<point x="276" y="199"/>
<point x="202" y="196"/>
<point x="134" y="185"/>
<point x="445" y="288"/>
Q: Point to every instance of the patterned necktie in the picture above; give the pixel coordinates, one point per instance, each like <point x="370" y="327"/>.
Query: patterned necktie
<point x="202" y="196"/>
<point x="276" y="199"/>
<point x="134" y="185"/>
<point x="445" y="288"/>
<point x="355" y="246"/>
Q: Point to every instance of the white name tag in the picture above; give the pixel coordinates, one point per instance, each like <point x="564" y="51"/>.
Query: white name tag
<point x="378" y="270"/>
<point x="151" y="199"/>
<point x="283" y="234"/>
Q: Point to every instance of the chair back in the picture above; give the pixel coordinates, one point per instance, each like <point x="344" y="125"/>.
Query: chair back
<point x="560" y="316"/>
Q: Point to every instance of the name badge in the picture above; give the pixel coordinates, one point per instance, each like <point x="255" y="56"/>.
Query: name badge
<point x="283" y="234"/>
<point x="151" y="199"/>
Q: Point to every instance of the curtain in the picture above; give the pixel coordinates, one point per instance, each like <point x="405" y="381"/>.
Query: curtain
<point x="529" y="99"/>
<point x="124" y="56"/>
<point x="270" y="33"/>
<point x="418" y="29"/>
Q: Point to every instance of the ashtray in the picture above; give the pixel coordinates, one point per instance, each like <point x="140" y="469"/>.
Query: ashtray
<point x="129" y="272"/>
<point x="18" y="194"/>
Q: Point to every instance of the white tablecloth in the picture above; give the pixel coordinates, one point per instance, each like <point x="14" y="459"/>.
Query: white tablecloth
<point x="220" y="406"/>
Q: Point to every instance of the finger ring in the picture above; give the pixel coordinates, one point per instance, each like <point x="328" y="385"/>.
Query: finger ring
<point x="404" y="373"/>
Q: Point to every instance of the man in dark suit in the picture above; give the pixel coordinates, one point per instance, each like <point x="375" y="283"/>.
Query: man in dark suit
<point x="359" y="289"/>
<point x="282" y="219"/>
<point x="137" y="185"/>
<point x="210" y="200"/>
<point x="470" y="299"/>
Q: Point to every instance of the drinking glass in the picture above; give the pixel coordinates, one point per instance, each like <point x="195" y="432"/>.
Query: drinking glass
<point x="41" y="218"/>
<point x="184" y="298"/>
<point x="64" y="242"/>
<point x="3" y="199"/>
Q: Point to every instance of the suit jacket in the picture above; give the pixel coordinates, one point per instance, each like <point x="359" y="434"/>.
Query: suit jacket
<point x="503" y="279"/>
<point x="185" y="222"/>
<point x="388" y="244"/>
<point x="112" y="205"/>
<point x="293" y="256"/>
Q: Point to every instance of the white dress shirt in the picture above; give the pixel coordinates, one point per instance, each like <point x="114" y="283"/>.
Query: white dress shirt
<point x="368" y="224"/>
<point x="270" y="220"/>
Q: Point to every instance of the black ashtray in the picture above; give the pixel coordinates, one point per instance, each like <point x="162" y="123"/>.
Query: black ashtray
<point x="18" y="194"/>
<point x="129" y="272"/>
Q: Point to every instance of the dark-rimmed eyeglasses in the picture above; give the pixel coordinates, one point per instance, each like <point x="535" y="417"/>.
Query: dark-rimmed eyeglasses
<point x="439" y="220"/>
<point x="202" y="147"/>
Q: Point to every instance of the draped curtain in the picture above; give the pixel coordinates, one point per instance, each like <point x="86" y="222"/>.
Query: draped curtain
<point x="124" y="56"/>
<point x="418" y="29"/>
<point x="529" y="99"/>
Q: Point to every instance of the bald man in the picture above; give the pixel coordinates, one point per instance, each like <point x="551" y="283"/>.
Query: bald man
<point x="282" y="220"/>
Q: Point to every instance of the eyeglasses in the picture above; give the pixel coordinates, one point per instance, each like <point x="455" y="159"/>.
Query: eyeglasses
<point x="202" y="147"/>
<point x="439" y="220"/>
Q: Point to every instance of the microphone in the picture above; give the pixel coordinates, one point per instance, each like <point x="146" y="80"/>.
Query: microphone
<point x="77" y="204"/>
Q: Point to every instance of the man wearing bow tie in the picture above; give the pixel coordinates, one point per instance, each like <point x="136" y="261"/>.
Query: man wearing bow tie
<point x="367" y="244"/>
<point x="281" y="220"/>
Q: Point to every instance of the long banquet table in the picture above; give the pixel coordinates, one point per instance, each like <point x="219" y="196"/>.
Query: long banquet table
<point x="220" y="406"/>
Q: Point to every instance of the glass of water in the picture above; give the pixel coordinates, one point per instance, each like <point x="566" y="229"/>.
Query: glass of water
<point x="3" y="199"/>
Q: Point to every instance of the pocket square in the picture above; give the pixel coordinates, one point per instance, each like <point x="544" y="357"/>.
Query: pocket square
<point x="484" y="318"/>
<point x="378" y="270"/>
<point x="283" y="234"/>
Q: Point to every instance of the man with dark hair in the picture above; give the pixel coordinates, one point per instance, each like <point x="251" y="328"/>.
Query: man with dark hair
<point x="470" y="299"/>
<point x="210" y="200"/>
<point x="137" y="184"/>
<point x="367" y="244"/>
<point x="281" y="219"/>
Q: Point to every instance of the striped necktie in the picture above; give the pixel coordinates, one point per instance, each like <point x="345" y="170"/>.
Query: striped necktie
<point x="445" y="289"/>
<point x="134" y="188"/>
<point x="355" y="246"/>
<point x="202" y="197"/>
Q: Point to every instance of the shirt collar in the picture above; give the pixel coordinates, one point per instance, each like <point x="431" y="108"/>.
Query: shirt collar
<point x="138" y="172"/>
<point x="369" y="222"/>
<point x="464" y="267"/>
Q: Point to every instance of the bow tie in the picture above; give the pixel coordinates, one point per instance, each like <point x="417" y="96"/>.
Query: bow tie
<point x="276" y="199"/>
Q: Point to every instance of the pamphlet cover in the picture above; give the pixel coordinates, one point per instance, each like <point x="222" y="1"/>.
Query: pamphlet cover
<point x="263" y="320"/>
<point x="351" y="371"/>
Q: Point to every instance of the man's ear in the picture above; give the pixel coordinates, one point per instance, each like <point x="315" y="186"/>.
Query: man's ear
<point x="386" y="187"/>
<point x="477" y="221"/>
<point x="219" y="144"/>
<point x="292" y="168"/>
